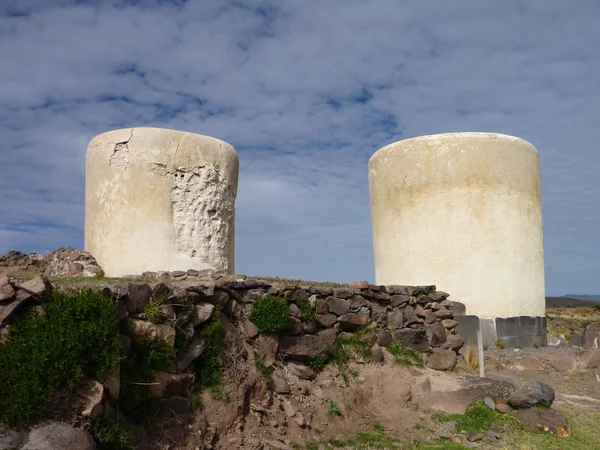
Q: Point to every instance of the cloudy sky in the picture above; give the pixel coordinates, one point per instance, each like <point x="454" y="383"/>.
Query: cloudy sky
<point x="306" y="91"/>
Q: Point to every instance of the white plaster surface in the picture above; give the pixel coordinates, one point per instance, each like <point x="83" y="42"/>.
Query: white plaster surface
<point x="159" y="199"/>
<point x="461" y="211"/>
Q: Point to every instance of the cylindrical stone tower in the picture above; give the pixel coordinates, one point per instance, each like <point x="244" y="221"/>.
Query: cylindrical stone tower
<point x="461" y="211"/>
<point x="159" y="199"/>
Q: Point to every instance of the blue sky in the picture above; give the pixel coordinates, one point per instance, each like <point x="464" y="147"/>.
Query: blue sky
<point x="306" y="91"/>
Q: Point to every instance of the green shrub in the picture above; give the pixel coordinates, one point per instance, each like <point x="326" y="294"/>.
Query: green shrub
<point x="137" y="370"/>
<point x="112" y="435"/>
<point x="307" y="309"/>
<point x="75" y="340"/>
<point x="334" y="409"/>
<point x="405" y="356"/>
<point x="318" y="363"/>
<point x="206" y="367"/>
<point x="260" y="365"/>
<point x="270" y="314"/>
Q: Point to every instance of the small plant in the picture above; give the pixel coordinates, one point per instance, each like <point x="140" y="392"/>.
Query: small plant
<point x="112" y="435"/>
<point x="318" y="363"/>
<point x="471" y="356"/>
<point x="77" y="339"/>
<point x="307" y="309"/>
<point x="206" y="367"/>
<point x="354" y="374"/>
<point x="219" y="393"/>
<point x="260" y="365"/>
<point x="485" y="346"/>
<point x="334" y="409"/>
<point x="500" y="345"/>
<point x="405" y="356"/>
<point x="156" y="311"/>
<point x="536" y="345"/>
<point x="270" y="314"/>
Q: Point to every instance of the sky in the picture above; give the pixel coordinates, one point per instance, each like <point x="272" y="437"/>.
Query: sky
<point x="306" y="91"/>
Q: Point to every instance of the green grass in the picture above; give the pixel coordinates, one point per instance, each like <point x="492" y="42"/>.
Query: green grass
<point x="270" y="314"/>
<point x="76" y="340"/>
<point x="405" y="356"/>
<point x="112" y="435"/>
<point x="377" y="439"/>
<point x="307" y="309"/>
<point x="334" y="409"/>
<point x="260" y="365"/>
<point x="318" y="363"/>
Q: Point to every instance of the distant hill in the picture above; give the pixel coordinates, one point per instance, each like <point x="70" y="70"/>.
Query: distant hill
<point x="567" y="301"/>
<point x="593" y="298"/>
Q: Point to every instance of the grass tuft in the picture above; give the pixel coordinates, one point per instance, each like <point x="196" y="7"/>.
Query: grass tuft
<point x="270" y="314"/>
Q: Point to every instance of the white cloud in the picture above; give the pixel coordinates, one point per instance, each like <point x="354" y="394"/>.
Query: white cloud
<point x="281" y="81"/>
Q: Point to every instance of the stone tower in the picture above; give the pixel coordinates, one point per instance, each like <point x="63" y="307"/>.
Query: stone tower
<point x="463" y="211"/>
<point x="159" y="199"/>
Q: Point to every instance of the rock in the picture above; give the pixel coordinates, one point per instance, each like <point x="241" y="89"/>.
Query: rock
<point x="267" y="346"/>
<point x="441" y="359"/>
<point x="412" y="338"/>
<point x="193" y="352"/>
<point x="125" y="342"/>
<point x="379" y="314"/>
<point x="411" y="317"/>
<point x="250" y="329"/>
<point x="449" y="426"/>
<point x="383" y="337"/>
<point x="343" y="293"/>
<point x="359" y="285"/>
<point x="288" y="409"/>
<point x="436" y="334"/>
<point x="547" y="420"/>
<point x="322" y="306"/>
<point x="6" y="290"/>
<point x="326" y="320"/>
<point x="591" y="336"/>
<point x="399" y="300"/>
<point x="395" y="319"/>
<point x="456" y="308"/>
<point x="576" y="339"/>
<point x="70" y="262"/>
<point x="474" y="437"/>
<point x="295" y="311"/>
<point x="449" y="323"/>
<point x="556" y="341"/>
<point x="279" y="385"/>
<point x="93" y="400"/>
<point x="455" y="342"/>
<point x="308" y="346"/>
<point x="300" y="370"/>
<point x="12" y="439"/>
<point x="139" y="295"/>
<point x="338" y="306"/>
<point x="201" y="313"/>
<point x="353" y="321"/>
<point x="444" y="314"/>
<point x="299" y="419"/>
<point x="377" y="353"/>
<point x="36" y="286"/>
<point x="59" y="436"/>
<point x="170" y="384"/>
<point x="489" y="401"/>
<point x="533" y="393"/>
<point x="492" y="436"/>
<point x="295" y="326"/>
<point x="148" y="331"/>
<point x="177" y="404"/>
<point x="502" y="406"/>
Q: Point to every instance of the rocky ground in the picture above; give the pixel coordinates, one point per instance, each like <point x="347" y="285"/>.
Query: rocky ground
<point x="381" y="404"/>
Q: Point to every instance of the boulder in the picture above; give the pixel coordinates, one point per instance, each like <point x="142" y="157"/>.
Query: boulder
<point x="167" y="384"/>
<point x="36" y="286"/>
<point x="177" y="404"/>
<point x="442" y="359"/>
<point x="59" y="436"/>
<point x="455" y="342"/>
<point x="138" y="297"/>
<point x="279" y="385"/>
<point x="353" y="321"/>
<point x="194" y="351"/>
<point x="301" y="370"/>
<point x="149" y="331"/>
<point x="201" y="313"/>
<point x="533" y="393"/>
<point x="338" y="306"/>
<point x="308" y="346"/>
<point x="92" y="399"/>
<point x="6" y="290"/>
<point x="267" y="346"/>
<point x="412" y="338"/>
<point x="395" y="319"/>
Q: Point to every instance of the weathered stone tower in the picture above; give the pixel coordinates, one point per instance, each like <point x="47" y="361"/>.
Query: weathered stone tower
<point x="159" y="199"/>
<point x="463" y="211"/>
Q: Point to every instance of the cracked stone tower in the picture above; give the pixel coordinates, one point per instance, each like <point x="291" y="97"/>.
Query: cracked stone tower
<point x="463" y="211"/>
<point x="159" y="199"/>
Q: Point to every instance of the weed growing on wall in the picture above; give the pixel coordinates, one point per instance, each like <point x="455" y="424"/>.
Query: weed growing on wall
<point x="405" y="356"/>
<point x="270" y="314"/>
<point x="307" y="309"/>
<point x="75" y="340"/>
<point x="137" y="370"/>
<point x="112" y="435"/>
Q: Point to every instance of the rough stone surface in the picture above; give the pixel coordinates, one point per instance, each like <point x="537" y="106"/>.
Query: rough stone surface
<point x="267" y="346"/>
<point x="301" y="370"/>
<point x="201" y="313"/>
<point x="280" y="386"/>
<point x="6" y="289"/>
<point x="591" y="337"/>
<point x="441" y="359"/>
<point x="59" y="436"/>
<point x="70" y="262"/>
<point x="533" y="393"/>
<point x="308" y="346"/>
<point x="353" y="321"/>
<point x="151" y="332"/>
<point x="177" y="404"/>
<point x="338" y="306"/>
<point x="93" y="400"/>
<point x="167" y="384"/>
